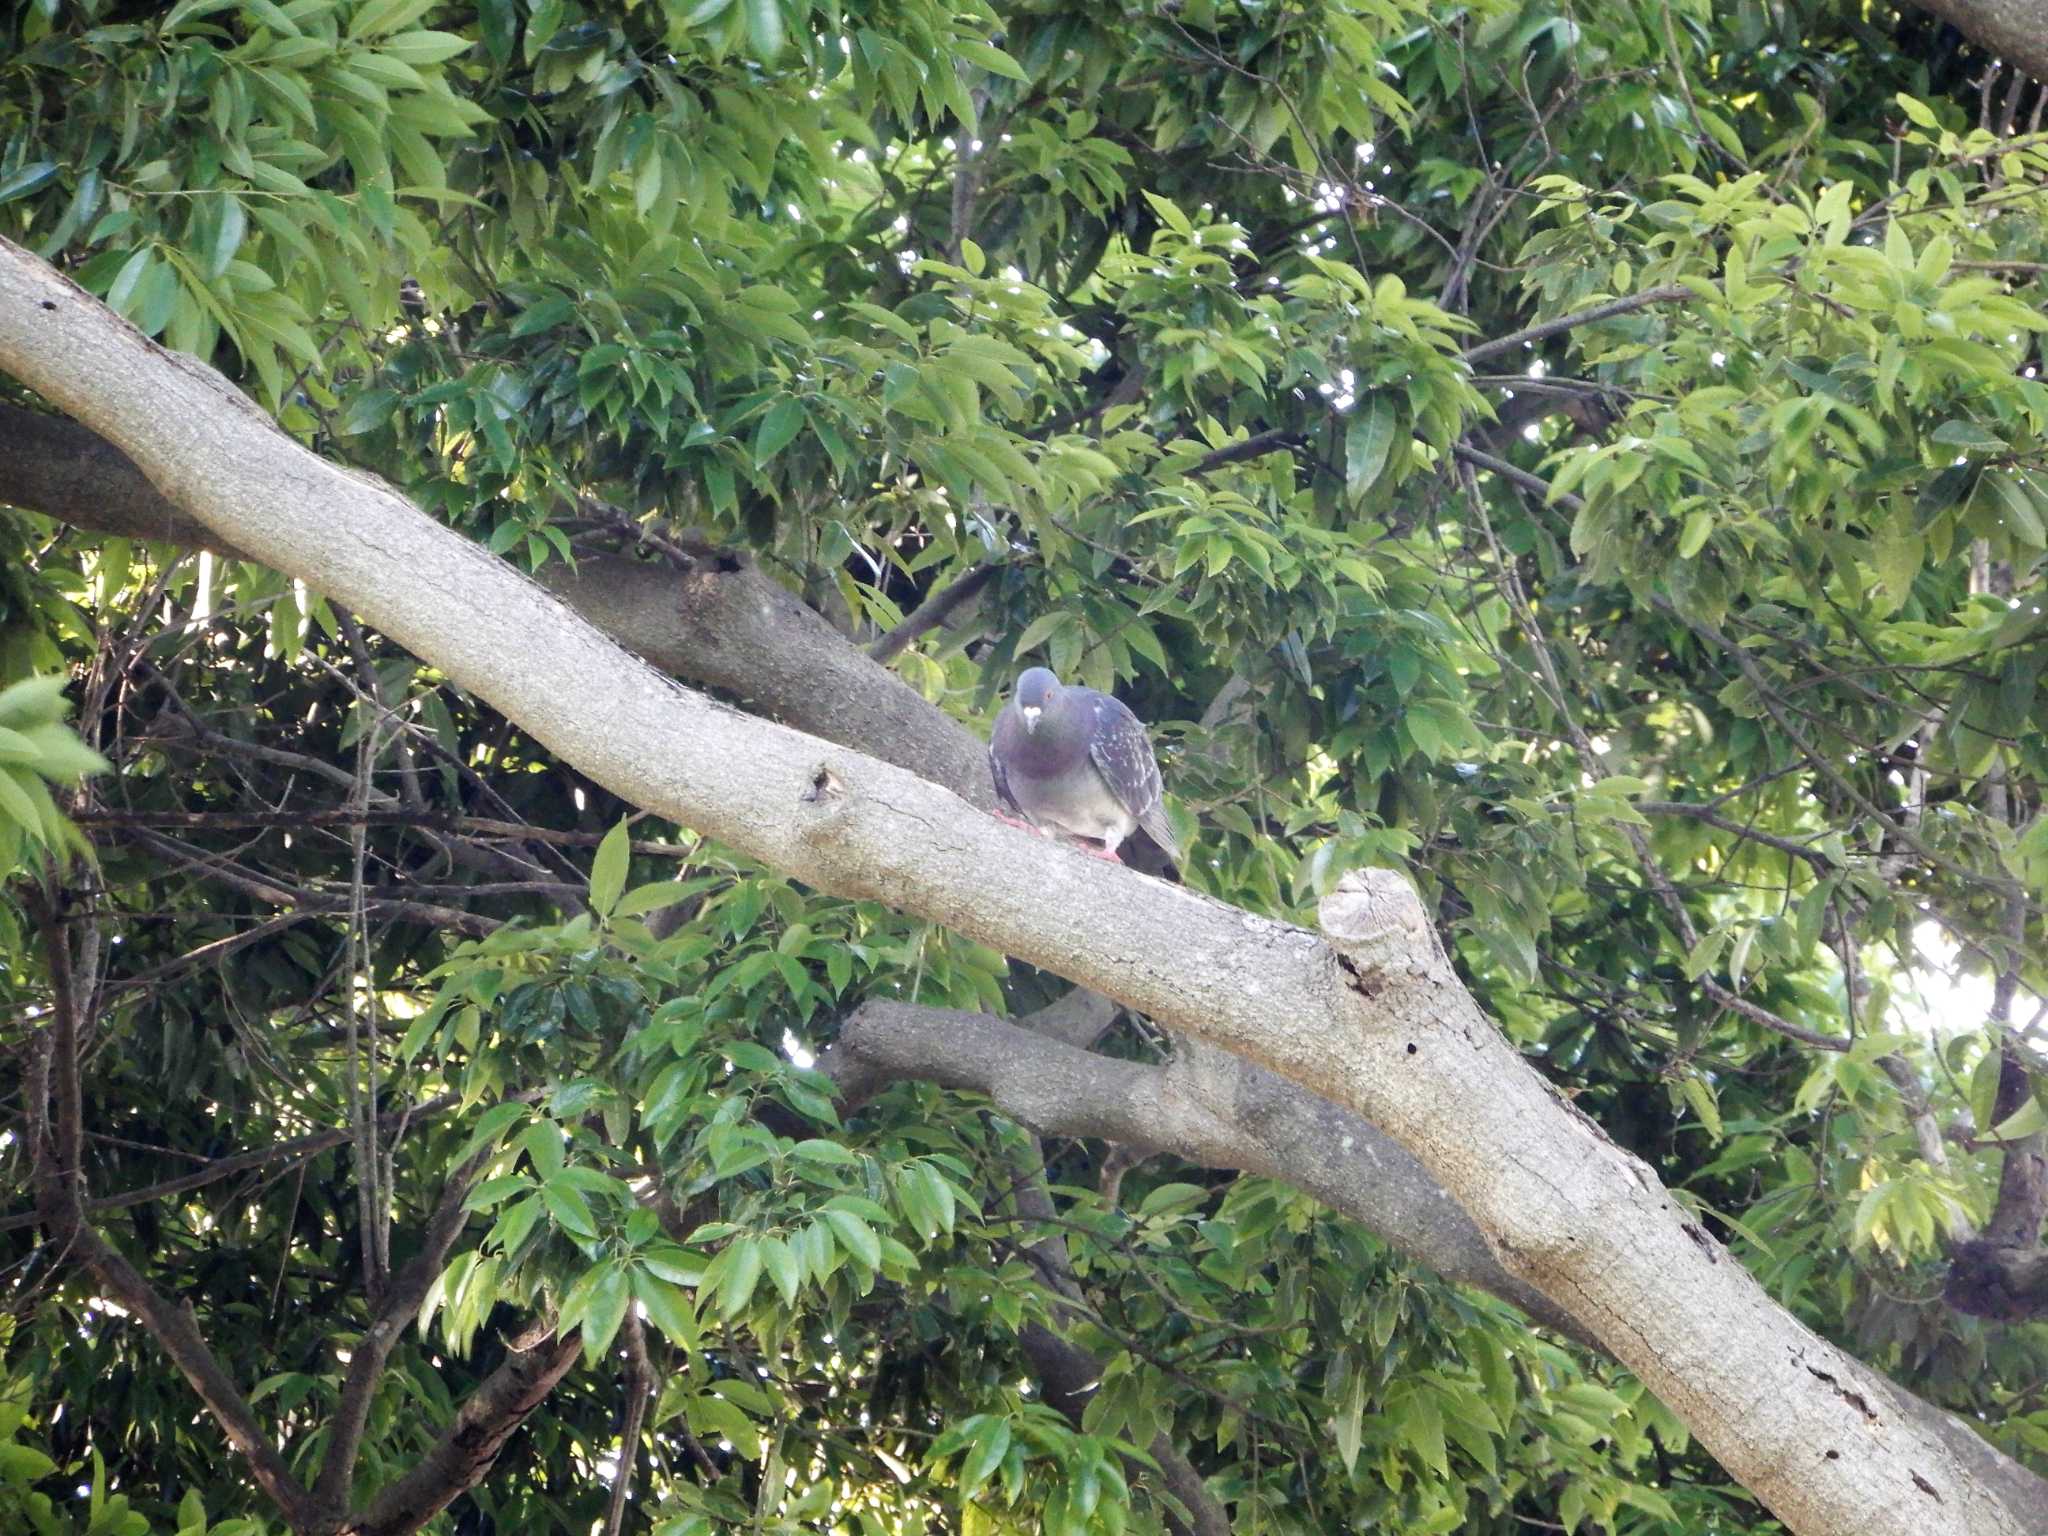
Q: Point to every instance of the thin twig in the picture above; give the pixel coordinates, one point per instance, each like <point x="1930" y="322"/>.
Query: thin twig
<point x="639" y="1386"/>
<point x="1670" y="293"/>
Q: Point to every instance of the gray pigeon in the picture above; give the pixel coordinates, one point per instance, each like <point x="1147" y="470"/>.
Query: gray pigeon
<point x="1076" y="762"/>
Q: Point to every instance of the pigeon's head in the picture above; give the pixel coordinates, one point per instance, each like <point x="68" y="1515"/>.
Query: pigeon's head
<point x="1037" y="691"/>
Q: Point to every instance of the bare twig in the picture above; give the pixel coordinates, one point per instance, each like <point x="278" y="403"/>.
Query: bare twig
<point x="1669" y="293"/>
<point x="1256" y="446"/>
<point x="216" y="1169"/>
<point x="1823" y="862"/>
<point x="1653" y="871"/>
<point x="1536" y="485"/>
<point x="639" y="1388"/>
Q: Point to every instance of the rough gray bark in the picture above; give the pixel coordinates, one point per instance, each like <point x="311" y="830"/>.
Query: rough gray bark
<point x="732" y="627"/>
<point x="723" y="623"/>
<point x="1372" y="1018"/>
<point x="469" y="1447"/>
<point x="2015" y="30"/>
<point x="1224" y="1114"/>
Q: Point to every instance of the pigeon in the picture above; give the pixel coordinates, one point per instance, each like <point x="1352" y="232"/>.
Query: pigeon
<point x="1076" y="762"/>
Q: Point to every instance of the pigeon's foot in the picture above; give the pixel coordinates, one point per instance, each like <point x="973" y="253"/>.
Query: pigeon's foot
<point x="1017" y="821"/>
<point x="1098" y="851"/>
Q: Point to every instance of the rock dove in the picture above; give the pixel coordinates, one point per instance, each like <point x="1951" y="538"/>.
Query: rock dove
<point x="1077" y="762"/>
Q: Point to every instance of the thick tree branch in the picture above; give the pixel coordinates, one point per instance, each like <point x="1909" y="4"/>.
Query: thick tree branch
<point x="723" y="623"/>
<point x="1372" y="1018"/>
<point x="399" y="1306"/>
<point x="1250" y="1120"/>
<point x="2014" y="30"/>
<point x="52" y="465"/>
<point x="465" y="1453"/>
<point x="642" y="605"/>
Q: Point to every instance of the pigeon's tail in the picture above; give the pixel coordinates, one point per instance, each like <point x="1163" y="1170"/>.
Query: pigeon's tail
<point x="1160" y="830"/>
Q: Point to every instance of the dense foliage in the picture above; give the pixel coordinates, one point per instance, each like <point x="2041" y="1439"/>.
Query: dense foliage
<point x="1688" y="654"/>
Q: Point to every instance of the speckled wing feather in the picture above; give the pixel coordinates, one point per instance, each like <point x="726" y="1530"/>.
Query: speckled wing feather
<point x="1121" y="750"/>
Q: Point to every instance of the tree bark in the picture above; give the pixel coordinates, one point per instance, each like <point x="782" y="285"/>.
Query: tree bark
<point x="2014" y="30"/>
<point x="1222" y="1113"/>
<point x="727" y="625"/>
<point x="465" y="1453"/>
<point x="724" y="623"/>
<point x="1371" y="1018"/>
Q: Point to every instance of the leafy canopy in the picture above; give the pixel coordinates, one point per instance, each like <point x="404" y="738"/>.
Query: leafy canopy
<point x="1690" y="656"/>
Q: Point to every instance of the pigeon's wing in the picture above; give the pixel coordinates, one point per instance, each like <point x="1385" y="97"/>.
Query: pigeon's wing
<point x="997" y="772"/>
<point x="1122" y="753"/>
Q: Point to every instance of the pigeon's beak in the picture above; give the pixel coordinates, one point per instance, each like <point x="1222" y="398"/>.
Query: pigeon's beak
<point x="1030" y="713"/>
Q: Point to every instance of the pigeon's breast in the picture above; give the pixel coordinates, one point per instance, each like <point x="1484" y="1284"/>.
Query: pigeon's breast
<point x="1076" y="802"/>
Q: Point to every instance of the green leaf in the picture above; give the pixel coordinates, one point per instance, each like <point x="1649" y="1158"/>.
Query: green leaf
<point x="668" y="1308"/>
<point x="368" y="411"/>
<point x="608" y="869"/>
<point x="228" y="236"/>
<point x="991" y="1444"/>
<point x="568" y="1207"/>
<point x="643" y="899"/>
<point x="1699" y="1094"/>
<point x="1367" y="441"/>
<point x="2016" y="509"/>
<point x="18" y="803"/>
<point x="30" y="178"/>
<point x="1349" y="1423"/>
<point x="605" y="1310"/>
<point x="1967" y="434"/>
<point x="23" y="1464"/>
<point x="120" y="295"/>
<point x="2030" y="1117"/>
<point x="1705" y="951"/>
<point x="425" y="47"/>
<point x="990" y="58"/>
<point x="1039" y="629"/>
<point x="778" y="428"/>
<point x="856" y="1236"/>
<point x="764" y="29"/>
<point x="1917" y="111"/>
<point x="742" y="1274"/>
<point x="780" y="1261"/>
<point x="1170" y="213"/>
<point x="542" y="1143"/>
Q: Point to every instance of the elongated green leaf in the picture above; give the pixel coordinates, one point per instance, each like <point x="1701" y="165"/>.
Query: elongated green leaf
<point x="608" y="870"/>
<point x="1368" y="439"/>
